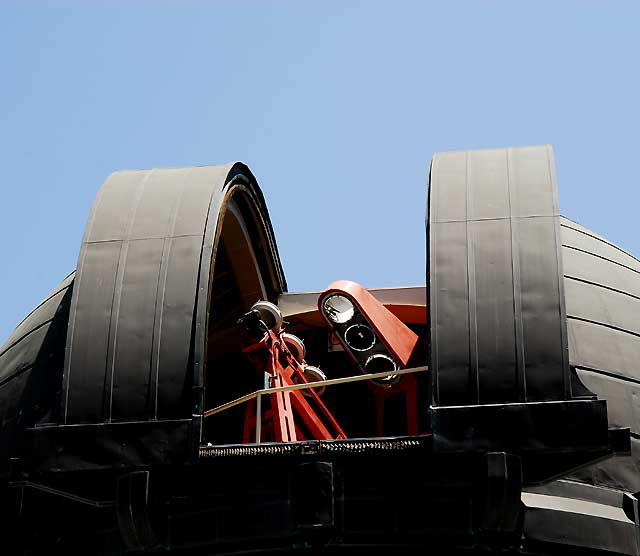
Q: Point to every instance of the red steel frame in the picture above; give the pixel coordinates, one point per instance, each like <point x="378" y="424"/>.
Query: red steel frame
<point x="284" y="369"/>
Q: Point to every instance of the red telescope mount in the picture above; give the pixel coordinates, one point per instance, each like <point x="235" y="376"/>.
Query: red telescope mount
<point x="375" y="340"/>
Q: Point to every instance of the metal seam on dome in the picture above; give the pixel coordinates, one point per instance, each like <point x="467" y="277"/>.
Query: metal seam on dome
<point x="613" y="245"/>
<point x="610" y="326"/>
<point x="600" y="257"/>
<point x="622" y="292"/>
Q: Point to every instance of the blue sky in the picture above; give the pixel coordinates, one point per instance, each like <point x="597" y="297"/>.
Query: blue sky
<point x="336" y="106"/>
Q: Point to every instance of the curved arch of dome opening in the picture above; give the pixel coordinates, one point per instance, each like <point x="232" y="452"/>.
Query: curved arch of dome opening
<point x="243" y="272"/>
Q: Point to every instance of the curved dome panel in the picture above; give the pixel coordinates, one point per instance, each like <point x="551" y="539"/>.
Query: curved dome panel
<point x="136" y="348"/>
<point x="602" y="285"/>
<point x="496" y="300"/>
<point x="31" y="362"/>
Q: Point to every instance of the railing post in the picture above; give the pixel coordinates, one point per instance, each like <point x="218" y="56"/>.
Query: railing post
<point x="258" y="418"/>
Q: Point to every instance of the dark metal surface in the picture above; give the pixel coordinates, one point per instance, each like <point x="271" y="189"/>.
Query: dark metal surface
<point x="602" y="284"/>
<point x="43" y="313"/>
<point x="603" y="313"/>
<point x="136" y="343"/>
<point x="496" y="299"/>
<point x="516" y="294"/>
<point x="31" y="362"/>
<point x="603" y="305"/>
<point x="551" y="520"/>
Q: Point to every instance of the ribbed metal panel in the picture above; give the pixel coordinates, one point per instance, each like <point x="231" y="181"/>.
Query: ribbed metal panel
<point x="602" y="284"/>
<point x="136" y="343"/>
<point x="31" y="362"/>
<point x="496" y="299"/>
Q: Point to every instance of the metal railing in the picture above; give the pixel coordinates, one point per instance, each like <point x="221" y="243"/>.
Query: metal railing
<point x="257" y="395"/>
